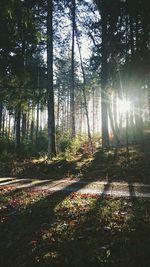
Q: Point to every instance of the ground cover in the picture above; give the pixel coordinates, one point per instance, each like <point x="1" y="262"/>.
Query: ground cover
<point x="111" y="165"/>
<point x="46" y="228"/>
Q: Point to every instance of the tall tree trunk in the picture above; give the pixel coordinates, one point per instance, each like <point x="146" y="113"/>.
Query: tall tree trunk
<point x="68" y="109"/>
<point x="84" y="95"/>
<point x="93" y="102"/>
<point x="104" y="93"/>
<point x="3" y="122"/>
<point x="32" y="126"/>
<point x="27" y="124"/>
<point x="1" y="115"/>
<point x="18" y="117"/>
<point x="115" y="113"/>
<point x="148" y="93"/>
<point x="72" y="89"/>
<point x="139" y="116"/>
<point x="38" y="107"/>
<point x="37" y="121"/>
<point x="24" y="126"/>
<point x="6" y="122"/>
<point x="50" y="90"/>
<point x="112" y="124"/>
<point x="58" y="106"/>
<point x="9" y="136"/>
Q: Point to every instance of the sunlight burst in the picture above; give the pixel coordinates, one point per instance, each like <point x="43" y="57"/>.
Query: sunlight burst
<point x="123" y="106"/>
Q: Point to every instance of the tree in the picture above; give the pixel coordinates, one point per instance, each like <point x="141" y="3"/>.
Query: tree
<point x="50" y="91"/>
<point x="72" y="89"/>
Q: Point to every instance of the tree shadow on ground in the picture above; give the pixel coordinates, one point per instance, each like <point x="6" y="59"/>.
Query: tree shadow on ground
<point x="76" y="235"/>
<point x="28" y="224"/>
<point x="138" y="239"/>
<point x="112" y="165"/>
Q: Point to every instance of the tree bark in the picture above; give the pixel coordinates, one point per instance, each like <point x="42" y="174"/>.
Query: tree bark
<point x="104" y="97"/>
<point x="1" y="115"/>
<point x="84" y="96"/>
<point x="72" y="89"/>
<point x="18" y="117"/>
<point x="24" y="126"/>
<point x="112" y="124"/>
<point x="50" y="89"/>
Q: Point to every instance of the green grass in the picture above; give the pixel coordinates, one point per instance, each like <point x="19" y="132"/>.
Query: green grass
<point x="54" y="229"/>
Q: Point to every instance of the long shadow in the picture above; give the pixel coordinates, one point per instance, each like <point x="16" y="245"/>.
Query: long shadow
<point x="33" y="219"/>
<point x="127" y="245"/>
<point x="104" y="166"/>
<point x="140" y="235"/>
<point x="29" y="186"/>
<point x="6" y="180"/>
<point x="9" y="183"/>
<point x="131" y="190"/>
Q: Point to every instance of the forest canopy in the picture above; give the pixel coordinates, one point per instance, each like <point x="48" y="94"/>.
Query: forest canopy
<point x="74" y="69"/>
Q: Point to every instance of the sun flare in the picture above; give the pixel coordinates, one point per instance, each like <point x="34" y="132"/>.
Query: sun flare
<point x="123" y="106"/>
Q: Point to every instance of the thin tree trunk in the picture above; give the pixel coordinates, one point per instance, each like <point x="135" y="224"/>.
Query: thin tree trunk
<point x="93" y="112"/>
<point x="24" y="126"/>
<point x="28" y="122"/>
<point x="58" y="106"/>
<point x="38" y="107"/>
<point x="9" y="126"/>
<point x="115" y="114"/>
<point x="72" y="89"/>
<point x="1" y="115"/>
<point x="68" y="111"/>
<point x="50" y="89"/>
<point x="18" y="117"/>
<point x="148" y="98"/>
<point x="6" y="122"/>
<point x="104" y="96"/>
<point x="37" y="121"/>
<point x="32" y="126"/>
<point x="3" y="122"/>
<point x="84" y="95"/>
<point x="112" y="125"/>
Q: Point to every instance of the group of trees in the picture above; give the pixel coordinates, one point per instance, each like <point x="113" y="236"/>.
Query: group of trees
<point x="74" y="91"/>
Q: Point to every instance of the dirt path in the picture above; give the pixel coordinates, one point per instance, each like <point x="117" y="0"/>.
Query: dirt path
<point x="81" y="186"/>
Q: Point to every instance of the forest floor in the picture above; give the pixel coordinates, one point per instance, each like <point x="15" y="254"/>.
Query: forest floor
<point x="73" y="218"/>
<point x="101" y="188"/>
<point x="111" y="165"/>
<point x="41" y="228"/>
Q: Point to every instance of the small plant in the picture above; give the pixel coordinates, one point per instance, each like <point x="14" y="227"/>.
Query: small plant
<point x="63" y="140"/>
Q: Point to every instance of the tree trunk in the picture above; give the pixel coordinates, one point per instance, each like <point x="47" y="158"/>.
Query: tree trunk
<point x="37" y="121"/>
<point x="58" y="106"/>
<point x="1" y="115"/>
<point x="50" y="90"/>
<point x="113" y="125"/>
<point x="38" y="106"/>
<point x="84" y="96"/>
<point x="27" y="124"/>
<point x="93" y="109"/>
<point x="104" y="93"/>
<point x="18" y="117"/>
<point x="139" y="118"/>
<point x="72" y="89"/>
<point x="148" y="92"/>
<point x="32" y="126"/>
<point x="24" y="126"/>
